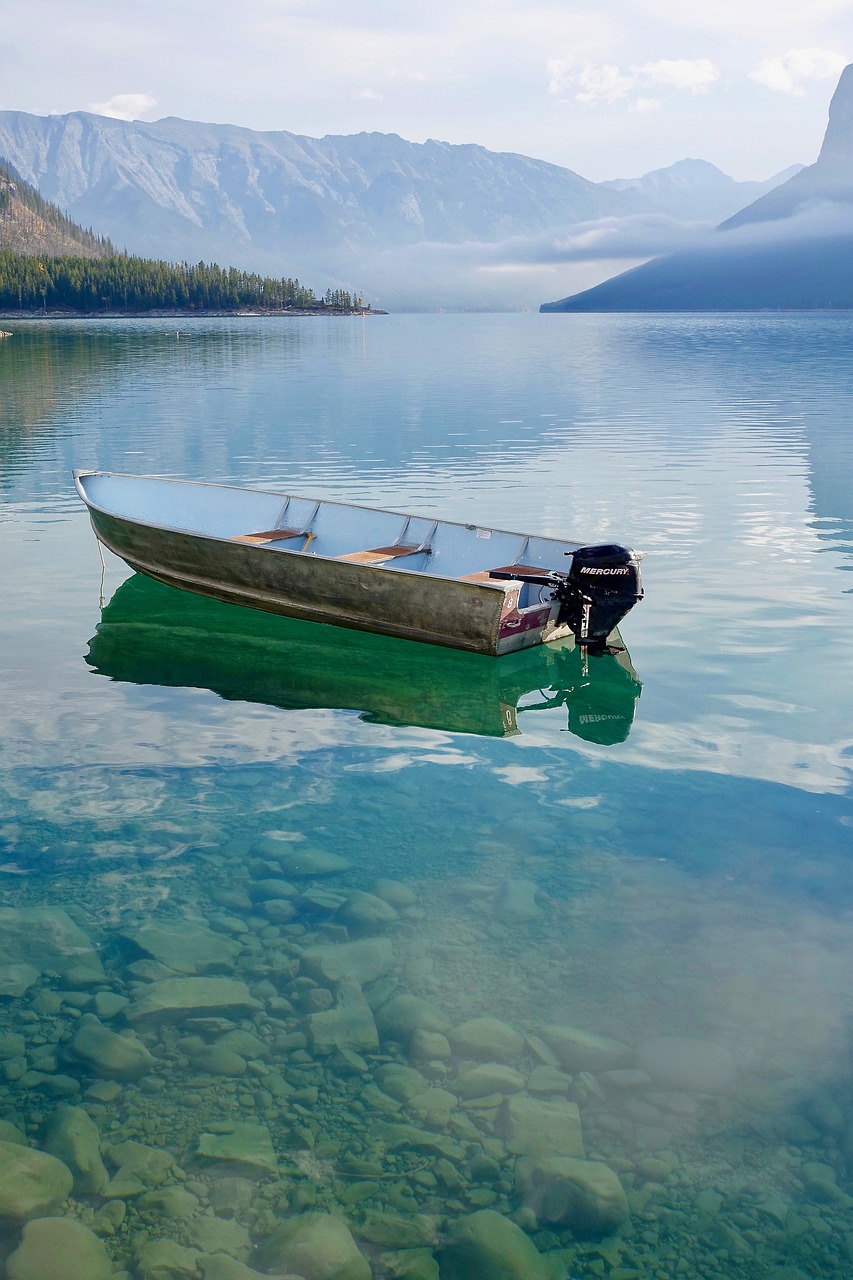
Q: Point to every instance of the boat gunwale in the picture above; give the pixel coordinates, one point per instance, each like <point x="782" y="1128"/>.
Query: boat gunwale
<point x="77" y="473"/>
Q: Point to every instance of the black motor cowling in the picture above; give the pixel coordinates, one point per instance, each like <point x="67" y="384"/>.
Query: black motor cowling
<point x="602" y="585"/>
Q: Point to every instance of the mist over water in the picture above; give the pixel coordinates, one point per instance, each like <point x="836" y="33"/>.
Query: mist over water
<point x="656" y="921"/>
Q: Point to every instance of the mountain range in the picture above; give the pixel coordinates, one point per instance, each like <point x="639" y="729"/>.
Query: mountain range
<point x="790" y="249"/>
<point x="697" y="190"/>
<point x="432" y="223"/>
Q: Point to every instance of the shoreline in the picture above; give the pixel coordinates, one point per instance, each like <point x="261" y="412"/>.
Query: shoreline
<point x="162" y="313"/>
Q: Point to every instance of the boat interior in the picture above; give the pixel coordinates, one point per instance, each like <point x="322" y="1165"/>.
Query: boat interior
<point x="334" y="530"/>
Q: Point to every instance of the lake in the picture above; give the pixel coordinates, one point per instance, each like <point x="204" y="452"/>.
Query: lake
<point x="321" y="950"/>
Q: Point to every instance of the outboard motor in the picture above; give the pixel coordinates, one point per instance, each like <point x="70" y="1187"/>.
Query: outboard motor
<point x="602" y="585"/>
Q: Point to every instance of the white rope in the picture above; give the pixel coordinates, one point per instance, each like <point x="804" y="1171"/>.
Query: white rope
<point x="103" y="570"/>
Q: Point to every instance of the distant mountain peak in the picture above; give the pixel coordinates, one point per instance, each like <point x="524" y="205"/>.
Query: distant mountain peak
<point x="696" y="190"/>
<point x="837" y="149"/>
<point x="830" y="178"/>
<point x="795" y="251"/>
<point x="693" y="170"/>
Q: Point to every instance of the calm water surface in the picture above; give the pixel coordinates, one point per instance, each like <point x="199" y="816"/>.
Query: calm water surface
<point x="261" y="882"/>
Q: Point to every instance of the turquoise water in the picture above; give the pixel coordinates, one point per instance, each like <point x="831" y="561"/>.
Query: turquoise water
<point x="657" y="913"/>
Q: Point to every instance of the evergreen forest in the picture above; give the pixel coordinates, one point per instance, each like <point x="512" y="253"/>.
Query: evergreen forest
<point x="122" y="283"/>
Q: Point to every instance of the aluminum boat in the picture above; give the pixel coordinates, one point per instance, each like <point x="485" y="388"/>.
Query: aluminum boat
<point x="460" y="585"/>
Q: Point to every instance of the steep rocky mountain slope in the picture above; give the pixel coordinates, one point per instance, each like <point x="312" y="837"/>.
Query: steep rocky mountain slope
<point x="30" y="225"/>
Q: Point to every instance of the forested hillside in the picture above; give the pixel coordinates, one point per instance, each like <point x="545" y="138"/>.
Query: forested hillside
<point x="120" y="283"/>
<point x="28" y="224"/>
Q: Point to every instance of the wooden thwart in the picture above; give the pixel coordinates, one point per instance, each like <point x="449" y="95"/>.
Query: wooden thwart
<point x="269" y="535"/>
<point x="484" y="575"/>
<point x="378" y="554"/>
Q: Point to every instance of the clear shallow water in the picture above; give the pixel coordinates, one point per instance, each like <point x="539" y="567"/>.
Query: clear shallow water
<point x="686" y="875"/>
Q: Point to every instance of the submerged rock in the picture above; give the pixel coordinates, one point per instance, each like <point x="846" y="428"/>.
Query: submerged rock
<point x="272" y="889"/>
<point x="396" y="1137"/>
<point x="12" y="1045"/>
<point x="16" y="979"/>
<point x="107" y="1220"/>
<point x="57" y="1249"/>
<point x="411" y="1264"/>
<point x="218" y="1266"/>
<point x="278" y="910"/>
<point x="434" y="1107"/>
<point x="487" y="1246"/>
<point x="403" y="1015"/>
<point x="364" y="960"/>
<point x="219" y="1060"/>
<point x="579" y="1050"/>
<point x="365" y="911"/>
<point x="350" y="1025"/>
<point x="47" y="938"/>
<point x="170" y="1203"/>
<point x="108" y="1004"/>
<point x="11" y="1133"/>
<point x="429" y="1046"/>
<point x="488" y="1039"/>
<point x="395" y="893"/>
<point x="533" y="1127"/>
<point x="246" y="1043"/>
<point x="175" y="999"/>
<point x="548" y="1080"/>
<point x="184" y="946"/>
<point x="393" y="1232"/>
<point x="489" y="1077"/>
<point x="247" y="1146"/>
<point x="299" y="859"/>
<point x="166" y="1260"/>
<point x="219" y="1235"/>
<point x="32" y="1183"/>
<point x="107" y="1054"/>
<point x="317" y="1246"/>
<point x="73" y="1137"/>
<point x="150" y="1165"/>
<point x="585" y="1195"/>
<point x="401" y="1082"/>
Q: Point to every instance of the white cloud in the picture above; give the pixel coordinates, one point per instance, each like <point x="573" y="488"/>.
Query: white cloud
<point x="784" y="74"/>
<point x="606" y="84"/>
<point x="125" y="106"/>
<point x="646" y="104"/>
<point x="693" y="74"/>
<point x="370" y="95"/>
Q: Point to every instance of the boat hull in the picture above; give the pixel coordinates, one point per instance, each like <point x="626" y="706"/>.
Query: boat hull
<point x="197" y="537"/>
<point x="460" y="615"/>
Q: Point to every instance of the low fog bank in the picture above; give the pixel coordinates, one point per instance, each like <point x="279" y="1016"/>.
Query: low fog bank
<point x="516" y="273"/>
<point x="804" y="261"/>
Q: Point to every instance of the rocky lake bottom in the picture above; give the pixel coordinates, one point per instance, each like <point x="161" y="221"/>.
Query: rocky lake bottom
<point x="239" y="1053"/>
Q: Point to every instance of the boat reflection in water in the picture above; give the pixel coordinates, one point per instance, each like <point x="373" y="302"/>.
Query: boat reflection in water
<point x="151" y="634"/>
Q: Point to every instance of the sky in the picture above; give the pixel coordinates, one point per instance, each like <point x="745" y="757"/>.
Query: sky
<point x="608" y="88"/>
